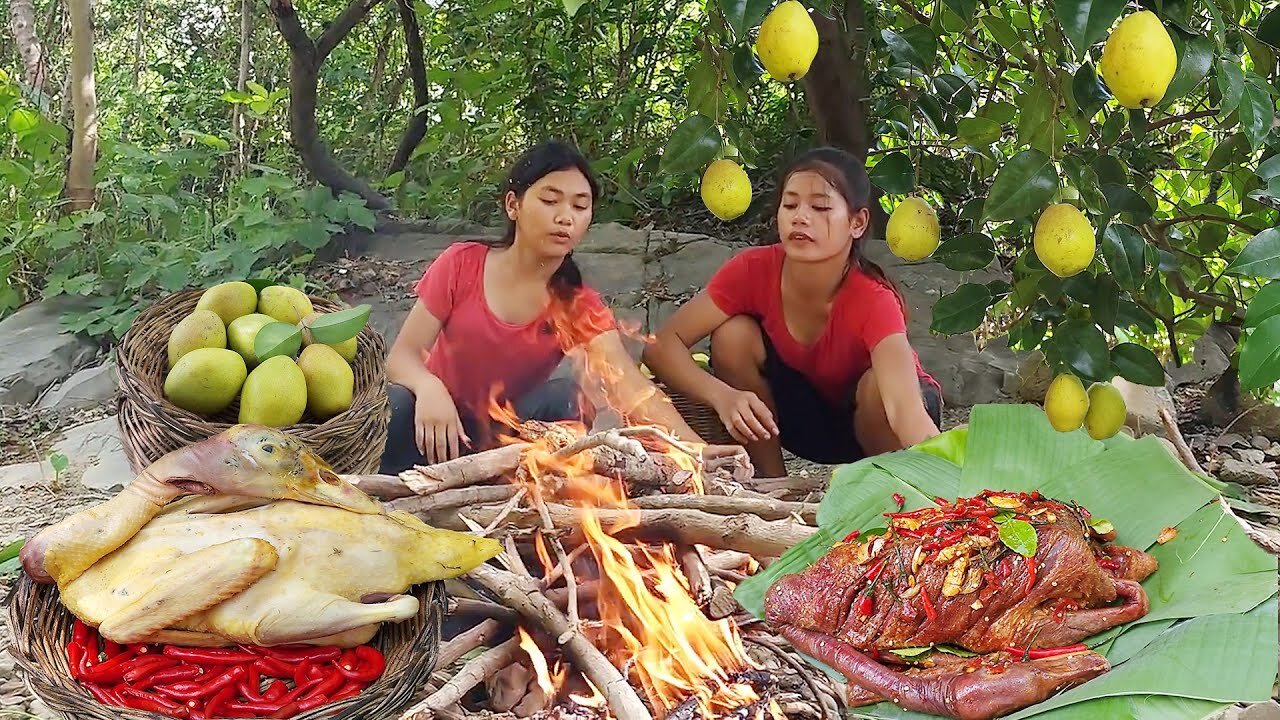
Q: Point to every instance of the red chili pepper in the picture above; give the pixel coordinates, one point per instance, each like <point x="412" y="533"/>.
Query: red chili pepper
<point x="929" y="612"/>
<point x="75" y="655"/>
<point x="169" y="675"/>
<point x="350" y="689"/>
<point x="196" y="690"/>
<point x="312" y="702"/>
<point x="98" y="692"/>
<point x="209" y="655"/>
<point x="108" y="671"/>
<point x="1031" y="573"/>
<point x="275" y="690"/>
<point x="272" y="667"/>
<point x="140" y="668"/>
<point x="143" y="700"/>
<point x="214" y="708"/>
<point x="111" y="648"/>
<point x="899" y="500"/>
<point x="372" y="663"/>
<point x="251" y="684"/>
<point x="300" y="672"/>
<point x="1036" y="654"/>
<point x="287" y="711"/>
<point x="852" y="536"/>
<point x="875" y="569"/>
<point x="296" y="654"/>
<point x="909" y="533"/>
<point x="940" y="501"/>
<point x="865" y="606"/>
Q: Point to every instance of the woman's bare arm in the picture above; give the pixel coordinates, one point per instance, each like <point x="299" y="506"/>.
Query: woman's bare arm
<point x="895" y="373"/>
<point x="405" y="364"/>
<point x="668" y="355"/>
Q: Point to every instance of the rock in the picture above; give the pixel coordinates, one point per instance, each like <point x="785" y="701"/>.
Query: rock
<point x="1261" y="443"/>
<point x="87" y="388"/>
<point x="42" y="711"/>
<point x="665" y="242"/>
<point x="688" y="269"/>
<point x="1262" y="711"/>
<point x="1211" y="356"/>
<point x="1143" y="404"/>
<point x="1230" y="440"/>
<point x="614" y="238"/>
<point x="1238" y="471"/>
<point x="1274" y="450"/>
<point x="1251" y="455"/>
<point x="28" y="474"/>
<point x="95" y="454"/>
<point x="1225" y="405"/>
<point x="618" y="278"/>
<point x="972" y="379"/>
<point x="39" y="352"/>
<point x="1030" y="382"/>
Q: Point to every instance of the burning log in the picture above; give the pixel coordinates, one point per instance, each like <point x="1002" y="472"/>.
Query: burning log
<point x="695" y="571"/>
<point x="765" y="508"/>
<point x="466" y="470"/>
<point x="524" y="596"/>
<point x="455" y="498"/>
<point x="471" y="674"/>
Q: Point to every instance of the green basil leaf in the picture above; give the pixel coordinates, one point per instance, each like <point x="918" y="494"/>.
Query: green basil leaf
<point x="1019" y="536"/>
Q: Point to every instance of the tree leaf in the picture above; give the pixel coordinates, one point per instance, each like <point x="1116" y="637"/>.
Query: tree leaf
<point x="1002" y="32"/>
<point x="571" y="7"/>
<point x="962" y="310"/>
<point x="1264" y="304"/>
<point x="1260" y="355"/>
<point x="1123" y="199"/>
<point x="1137" y="364"/>
<point x="1088" y="91"/>
<point x="277" y="338"/>
<point x="693" y="144"/>
<point x="916" y="46"/>
<point x="1194" y="60"/>
<point x="260" y="283"/>
<point x="1080" y="346"/>
<point x="1131" y="315"/>
<point x="1125" y="251"/>
<point x="1104" y="305"/>
<point x="1085" y="22"/>
<point x="743" y="15"/>
<point x="954" y="91"/>
<point x="703" y="91"/>
<point x="1227" y="152"/>
<point x="1022" y="186"/>
<point x="335" y="327"/>
<point x="894" y="174"/>
<point x="1270" y="168"/>
<point x="966" y="9"/>
<point x="1257" y="111"/>
<point x="1230" y="84"/>
<point x="978" y="132"/>
<point x="1019" y="536"/>
<point x="1269" y="28"/>
<point x="1260" y="257"/>
<point x="971" y="251"/>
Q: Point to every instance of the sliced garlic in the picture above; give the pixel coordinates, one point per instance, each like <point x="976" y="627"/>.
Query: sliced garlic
<point x="955" y="577"/>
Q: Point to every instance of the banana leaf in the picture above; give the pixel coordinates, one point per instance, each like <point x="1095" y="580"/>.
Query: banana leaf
<point x="1209" y="638"/>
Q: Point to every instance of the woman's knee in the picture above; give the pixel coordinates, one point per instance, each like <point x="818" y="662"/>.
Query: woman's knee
<point x="738" y="339"/>
<point x="557" y="399"/>
<point x="401" y="399"/>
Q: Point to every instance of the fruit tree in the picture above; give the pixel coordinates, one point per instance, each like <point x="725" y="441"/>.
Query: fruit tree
<point x="1116" y="165"/>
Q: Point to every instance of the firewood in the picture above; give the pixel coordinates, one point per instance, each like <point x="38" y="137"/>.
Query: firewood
<point x="456" y="498"/>
<point x="767" y="509"/>
<point x="524" y="596"/>
<point x="471" y="674"/>
<point x="383" y="487"/>
<point x="465" y="471"/>
<point x="695" y="571"/>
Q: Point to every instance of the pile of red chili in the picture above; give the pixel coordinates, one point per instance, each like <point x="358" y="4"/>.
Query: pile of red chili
<point x="248" y="681"/>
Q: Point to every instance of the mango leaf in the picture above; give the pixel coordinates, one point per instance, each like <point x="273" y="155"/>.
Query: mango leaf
<point x="1230" y="84"/>
<point x="894" y="174"/>
<point x="962" y="310"/>
<point x="693" y="144"/>
<point x="954" y="91"/>
<point x="1088" y="91"/>
<point x="1264" y="304"/>
<point x="1137" y="364"/>
<point x="971" y="251"/>
<point x="277" y="338"/>
<point x="1002" y="32"/>
<point x="916" y="46"/>
<point x="978" y="131"/>
<point x="1022" y="186"/>
<point x="1085" y="22"/>
<point x="743" y="15"/>
<point x="1257" y="111"/>
<point x="1195" y="57"/>
<point x="335" y="327"/>
<point x="1260" y="257"/>
<point x="1260" y="355"/>
<point x="1124" y="249"/>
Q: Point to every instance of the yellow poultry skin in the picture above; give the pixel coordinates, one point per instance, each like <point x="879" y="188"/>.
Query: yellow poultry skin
<point x="282" y="551"/>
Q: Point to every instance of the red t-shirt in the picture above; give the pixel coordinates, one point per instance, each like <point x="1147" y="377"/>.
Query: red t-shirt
<point x="864" y="312"/>
<point x="476" y="351"/>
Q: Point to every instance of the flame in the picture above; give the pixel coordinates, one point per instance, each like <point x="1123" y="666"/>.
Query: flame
<point x="548" y="681"/>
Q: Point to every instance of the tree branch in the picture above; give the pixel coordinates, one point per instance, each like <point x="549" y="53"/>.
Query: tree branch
<point x="417" y="126"/>
<point x="1165" y="224"/>
<point x="1175" y="119"/>
<point x="911" y="10"/>
<point x="342" y="26"/>
<point x="1157" y="235"/>
<point x="291" y="29"/>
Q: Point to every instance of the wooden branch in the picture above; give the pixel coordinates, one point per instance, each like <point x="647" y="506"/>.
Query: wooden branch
<point x="1156" y="233"/>
<point x="466" y="470"/>
<point x="291" y="29"/>
<point x="455" y="498"/>
<point x="453" y="650"/>
<point x="493" y="611"/>
<point x="746" y="533"/>
<point x="1179" y="443"/>
<point x="1165" y="224"/>
<point x="383" y="487"/>
<point x="767" y="509"/>
<point x="524" y="596"/>
<point x="1175" y="119"/>
<point x="471" y="674"/>
<point x="695" y="571"/>
<point x="911" y="10"/>
<point x="342" y="27"/>
<point x="416" y="129"/>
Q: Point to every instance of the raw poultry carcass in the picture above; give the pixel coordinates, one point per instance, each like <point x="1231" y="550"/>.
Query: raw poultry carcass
<point x="1017" y="579"/>
<point x="283" y="551"/>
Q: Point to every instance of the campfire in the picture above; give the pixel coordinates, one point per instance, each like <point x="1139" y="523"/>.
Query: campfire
<point x="616" y="597"/>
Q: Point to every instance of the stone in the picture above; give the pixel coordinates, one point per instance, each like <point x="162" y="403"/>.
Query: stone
<point x="614" y="238"/>
<point x="1144" y="404"/>
<point x="1262" y="711"/>
<point x="28" y="474"/>
<point x="688" y="269"/>
<point x="618" y="278"/>
<point x="1030" y="382"/>
<point x="42" y="711"/>
<point x="1237" y="471"/>
<point x="1274" y="450"/>
<point x="95" y="454"/>
<point x="1230" y="440"/>
<point x="87" y="388"/>
<point x="39" y="351"/>
<point x="1261" y="443"/>
<point x="1225" y="405"/>
<point x="1251" y="455"/>
<point x="665" y="242"/>
<point x="1211" y="356"/>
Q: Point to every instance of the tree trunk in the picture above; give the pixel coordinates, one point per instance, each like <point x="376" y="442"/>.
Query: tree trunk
<point x="22" y="21"/>
<point x="138" y="56"/>
<point x="79" y="189"/>
<point x="242" y="81"/>
<point x="417" y="127"/>
<point x="305" y="58"/>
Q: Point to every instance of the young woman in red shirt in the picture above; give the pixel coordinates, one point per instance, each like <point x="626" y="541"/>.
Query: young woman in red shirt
<point x="494" y="321"/>
<point x="808" y="337"/>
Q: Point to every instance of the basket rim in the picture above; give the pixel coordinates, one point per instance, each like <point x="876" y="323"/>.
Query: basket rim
<point x="396" y="691"/>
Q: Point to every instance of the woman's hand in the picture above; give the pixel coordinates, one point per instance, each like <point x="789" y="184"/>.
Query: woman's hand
<point x="436" y="424"/>
<point x="745" y="416"/>
<point x="731" y="457"/>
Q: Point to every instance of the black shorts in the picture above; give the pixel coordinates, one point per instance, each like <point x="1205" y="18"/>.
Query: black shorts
<point x="810" y="426"/>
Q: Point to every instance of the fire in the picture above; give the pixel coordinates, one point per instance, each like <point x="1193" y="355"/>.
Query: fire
<point x="548" y="681"/>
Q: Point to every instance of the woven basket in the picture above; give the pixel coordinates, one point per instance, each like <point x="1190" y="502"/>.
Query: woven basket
<point x="702" y="418"/>
<point x="41" y="629"/>
<point x="151" y="426"/>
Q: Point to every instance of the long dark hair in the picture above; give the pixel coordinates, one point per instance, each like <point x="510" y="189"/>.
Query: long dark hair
<point x="848" y="176"/>
<point x="536" y="163"/>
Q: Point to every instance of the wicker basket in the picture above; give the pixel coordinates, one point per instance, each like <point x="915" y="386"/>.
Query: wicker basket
<point x="151" y="426"/>
<point x="41" y="629"/>
<point x="702" y="418"/>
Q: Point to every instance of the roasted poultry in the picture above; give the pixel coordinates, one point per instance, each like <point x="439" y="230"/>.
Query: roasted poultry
<point x="968" y="610"/>
<point x="282" y="550"/>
